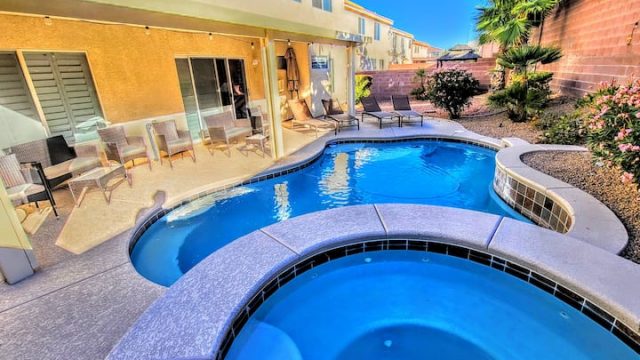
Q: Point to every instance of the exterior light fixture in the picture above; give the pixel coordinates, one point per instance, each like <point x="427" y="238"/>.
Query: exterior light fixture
<point x="288" y="42"/>
<point x="253" y="47"/>
<point x="147" y="30"/>
<point x="210" y="36"/>
<point x="47" y="21"/>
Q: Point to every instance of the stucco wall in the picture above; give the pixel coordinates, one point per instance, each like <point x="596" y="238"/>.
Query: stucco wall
<point x="595" y="39"/>
<point x="135" y="74"/>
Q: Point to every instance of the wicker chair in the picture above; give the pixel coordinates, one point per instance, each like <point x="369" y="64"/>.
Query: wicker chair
<point x="21" y="187"/>
<point x="223" y="128"/>
<point x="123" y="148"/>
<point x="171" y="140"/>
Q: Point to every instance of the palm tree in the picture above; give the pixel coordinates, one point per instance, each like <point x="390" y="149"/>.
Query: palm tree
<point x="508" y="23"/>
<point x="521" y="58"/>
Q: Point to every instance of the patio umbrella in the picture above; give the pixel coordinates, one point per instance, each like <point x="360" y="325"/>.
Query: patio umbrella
<point x="293" y="74"/>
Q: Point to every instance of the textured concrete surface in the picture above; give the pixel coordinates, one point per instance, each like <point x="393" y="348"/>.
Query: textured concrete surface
<point x="189" y="321"/>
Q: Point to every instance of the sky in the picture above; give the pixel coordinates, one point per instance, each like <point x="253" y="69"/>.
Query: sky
<point x="441" y="23"/>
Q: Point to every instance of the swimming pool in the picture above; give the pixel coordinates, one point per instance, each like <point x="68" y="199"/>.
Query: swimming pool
<point x="416" y="305"/>
<point x="418" y="171"/>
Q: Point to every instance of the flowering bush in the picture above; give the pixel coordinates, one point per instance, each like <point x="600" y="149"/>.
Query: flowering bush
<point x="613" y="126"/>
<point x="451" y="90"/>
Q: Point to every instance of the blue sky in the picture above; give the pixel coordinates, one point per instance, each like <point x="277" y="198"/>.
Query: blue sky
<point x="441" y="23"/>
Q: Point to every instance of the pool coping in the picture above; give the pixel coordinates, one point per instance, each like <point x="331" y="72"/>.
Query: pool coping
<point x="591" y="221"/>
<point x="196" y="315"/>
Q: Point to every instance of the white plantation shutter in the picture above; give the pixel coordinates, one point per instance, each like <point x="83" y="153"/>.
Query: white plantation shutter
<point x="65" y="90"/>
<point x="14" y="94"/>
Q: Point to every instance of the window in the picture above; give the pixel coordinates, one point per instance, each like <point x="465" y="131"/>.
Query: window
<point x="381" y="64"/>
<point x="376" y="31"/>
<point x="374" y="64"/>
<point x="297" y="0"/>
<point x="361" y="28"/>
<point x="416" y="49"/>
<point x="322" y="4"/>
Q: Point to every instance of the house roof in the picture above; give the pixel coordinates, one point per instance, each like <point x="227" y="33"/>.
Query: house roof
<point x="361" y="10"/>
<point x="461" y="47"/>
<point x="459" y="56"/>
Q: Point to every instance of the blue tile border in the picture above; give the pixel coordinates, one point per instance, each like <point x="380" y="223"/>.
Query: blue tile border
<point x="580" y="303"/>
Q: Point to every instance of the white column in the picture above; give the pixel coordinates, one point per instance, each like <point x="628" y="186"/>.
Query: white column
<point x="351" y="79"/>
<point x="16" y="254"/>
<point x="270" y="73"/>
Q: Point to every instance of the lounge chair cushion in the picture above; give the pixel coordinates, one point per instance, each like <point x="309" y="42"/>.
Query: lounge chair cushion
<point x="238" y="131"/>
<point x="132" y="150"/>
<point x="179" y="143"/>
<point x="75" y="167"/>
<point x="300" y="109"/>
<point x="18" y="194"/>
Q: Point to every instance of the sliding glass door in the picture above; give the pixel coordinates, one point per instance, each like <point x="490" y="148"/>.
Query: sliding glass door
<point x="210" y="86"/>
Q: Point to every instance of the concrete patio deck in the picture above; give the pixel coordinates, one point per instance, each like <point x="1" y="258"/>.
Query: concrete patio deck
<point x="79" y="307"/>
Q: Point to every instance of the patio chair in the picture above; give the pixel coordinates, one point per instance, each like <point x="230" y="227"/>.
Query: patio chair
<point x="122" y="148"/>
<point x="333" y="111"/>
<point x="371" y="108"/>
<point x="402" y="107"/>
<point x="57" y="161"/>
<point x="21" y="187"/>
<point x="260" y="121"/>
<point x="171" y="140"/>
<point x="302" y="117"/>
<point x="224" y="128"/>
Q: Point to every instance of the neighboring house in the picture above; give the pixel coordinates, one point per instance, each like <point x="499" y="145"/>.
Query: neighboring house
<point x="382" y="44"/>
<point x="423" y="52"/>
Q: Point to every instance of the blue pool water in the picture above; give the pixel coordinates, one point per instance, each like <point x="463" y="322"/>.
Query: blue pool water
<point x="416" y="305"/>
<point x="418" y="172"/>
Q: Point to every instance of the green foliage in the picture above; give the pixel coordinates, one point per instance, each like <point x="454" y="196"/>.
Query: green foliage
<point x="509" y="22"/>
<point x="363" y="87"/>
<point x="521" y="58"/>
<point x="529" y="91"/>
<point x="562" y="129"/>
<point x="421" y="91"/>
<point x="520" y="100"/>
<point x="451" y="90"/>
<point x="613" y="126"/>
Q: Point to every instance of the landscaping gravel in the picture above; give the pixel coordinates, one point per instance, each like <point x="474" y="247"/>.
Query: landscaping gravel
<point x="603" y="183"/>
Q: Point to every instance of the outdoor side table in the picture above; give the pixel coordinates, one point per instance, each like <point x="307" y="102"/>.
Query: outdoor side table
<point x="101" y="178"/>
<point x="257" y="140"/>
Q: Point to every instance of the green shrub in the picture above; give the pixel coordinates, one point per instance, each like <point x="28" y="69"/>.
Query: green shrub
<point x="529" y="91"/>
<point x="613" y="126"/>
<point x="451" y="90"/>
<point x="562" y="129"/>
<point x="363" y="86"/>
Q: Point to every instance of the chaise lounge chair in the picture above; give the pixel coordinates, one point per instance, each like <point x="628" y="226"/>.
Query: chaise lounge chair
<point x="333" y="111"/>
<point x="402" y="107"/>
<point x="302" y="117"/>
<point x="371" y="108"/>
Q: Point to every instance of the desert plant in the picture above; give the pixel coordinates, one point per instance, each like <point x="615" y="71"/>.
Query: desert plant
<point x="420" y="91"/>
<point x="451" y="90"/>
<point x="566" y="129"/>
<point x="613" y="126"/>
<point x="529" y="91"/>
<point x="363" y="86"/>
